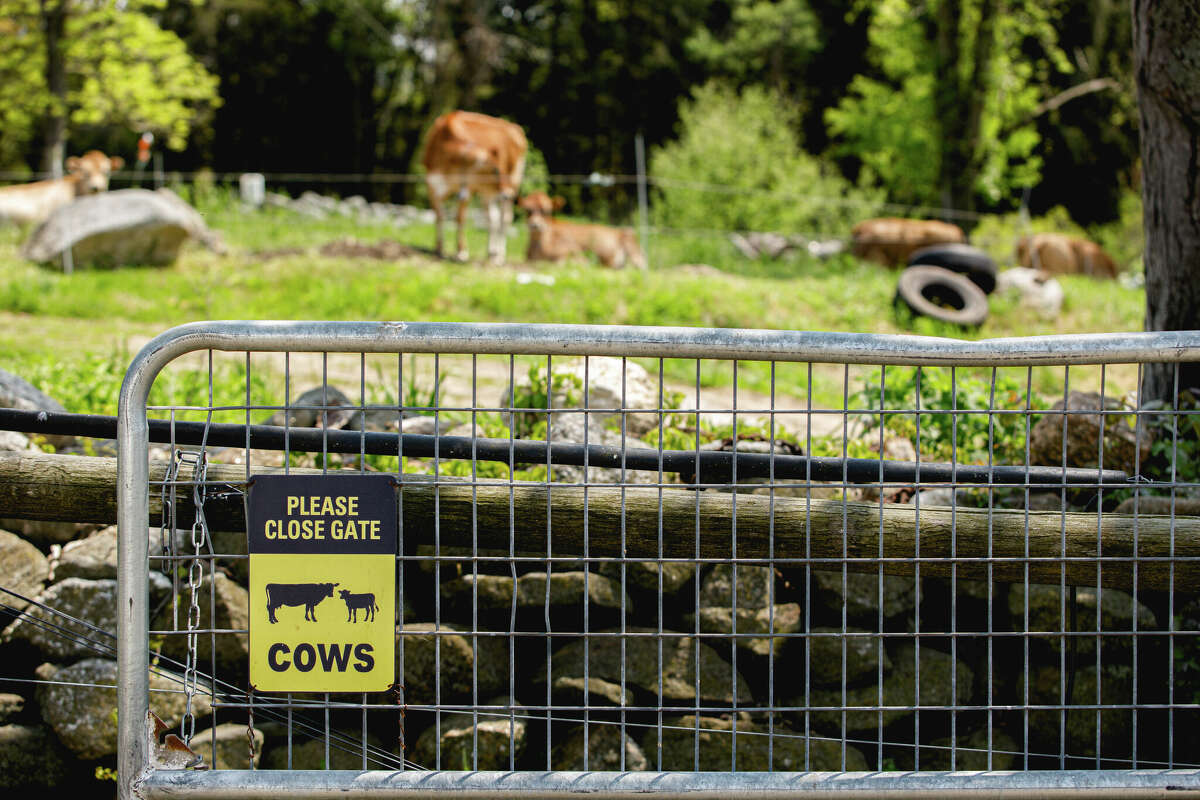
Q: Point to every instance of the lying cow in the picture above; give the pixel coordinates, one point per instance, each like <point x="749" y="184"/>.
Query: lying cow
<point x="467" y="154"/>
<point x="308" y="595"/>
<point x="30" y="203"/>
<point x="356" y="601"/>
<point x="1059" y="254"/>
<point x="891" y="240"/>
<point x="553" y="239"/>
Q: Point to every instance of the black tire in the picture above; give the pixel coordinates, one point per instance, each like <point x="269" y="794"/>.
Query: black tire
<point x="970" y="261"/>
<point x="942" y="294"/>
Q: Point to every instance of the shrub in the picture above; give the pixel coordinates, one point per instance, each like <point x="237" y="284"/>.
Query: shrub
<point x="737" y="165"/>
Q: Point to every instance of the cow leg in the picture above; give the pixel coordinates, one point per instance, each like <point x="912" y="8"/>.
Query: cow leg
<point x="464" y="199"/>
<point x="496" y="216"/>
<point x="271" y="615"/>
<point x="437" y="193"/>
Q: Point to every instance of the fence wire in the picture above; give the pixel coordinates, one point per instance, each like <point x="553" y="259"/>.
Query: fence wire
<point x="580" y="614"/>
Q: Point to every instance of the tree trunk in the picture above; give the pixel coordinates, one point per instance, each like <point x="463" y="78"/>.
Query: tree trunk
<point x="54" y="19"/>
<point x="963" y="82"/>
<point x="1166" y="36"/>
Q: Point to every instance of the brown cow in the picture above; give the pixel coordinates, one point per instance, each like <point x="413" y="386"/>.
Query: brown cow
<point x="891" y="240"/>
<point x="553" y="239"/>
<point x="467" y="154"/>
<point x="32" y="202"/>
<point x="1059" y="254"/>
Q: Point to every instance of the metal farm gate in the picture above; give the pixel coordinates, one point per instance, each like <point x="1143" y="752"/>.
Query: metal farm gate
<point x="678" y="561"/>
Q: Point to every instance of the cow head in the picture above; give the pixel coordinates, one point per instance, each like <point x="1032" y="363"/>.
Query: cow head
<point x="344" y="594"/>
<point x="92" y="170"/>
<point x="329" y="589"/>
<point x="540" y="207"/>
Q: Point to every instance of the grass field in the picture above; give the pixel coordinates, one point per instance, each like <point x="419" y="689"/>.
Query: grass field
<point x="73" y="334"/>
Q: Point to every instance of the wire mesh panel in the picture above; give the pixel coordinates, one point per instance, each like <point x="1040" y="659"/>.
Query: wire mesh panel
<point x="791" y="562"/>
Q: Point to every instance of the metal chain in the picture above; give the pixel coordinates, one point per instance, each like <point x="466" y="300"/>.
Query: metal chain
<point x="195" y="577"/>
<point x="250" y="726"/>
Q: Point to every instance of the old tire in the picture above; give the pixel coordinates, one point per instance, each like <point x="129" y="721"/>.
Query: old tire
<point x="963" y="258"/>
<point x="942" y="294"/>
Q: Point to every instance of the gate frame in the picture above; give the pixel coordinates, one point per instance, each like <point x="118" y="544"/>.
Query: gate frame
<point x="138" y="779"/>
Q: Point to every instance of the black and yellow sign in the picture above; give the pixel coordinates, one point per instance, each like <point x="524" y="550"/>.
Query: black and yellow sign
<point x="322" y="582"/>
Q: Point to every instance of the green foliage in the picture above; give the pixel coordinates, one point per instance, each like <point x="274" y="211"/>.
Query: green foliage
<point x="123" y="71"/>
<point x="566" y="389"/>
<point x="971" y="431"/>
<point x="893" y="124"/>
<point x="743" y="144"/>
<point x="763" y="39"/>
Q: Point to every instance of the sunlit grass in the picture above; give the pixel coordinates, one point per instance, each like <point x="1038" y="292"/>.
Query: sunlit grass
<point x="52" y="321"/>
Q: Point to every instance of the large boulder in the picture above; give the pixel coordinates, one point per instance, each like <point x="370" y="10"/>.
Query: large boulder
<point x="232" y="604"/>
<point x="79" y="703"/>
<point x="938" y="673"/>
<point x="1123" y="446"/>
<point x="18" y="393"/>
<point x="112" y="229"/>
<point x="11" y="706"/>
<point x="607" y="394"/>
<point x="833" y="657"/>
<point x="640" y="670"/>
<point x="24" y="568"/>
<point x="497" y="592"/>
<point x="57" y="636"/>
<point x="600" y="752"/>
<point x="345" y="751"/>
<point x="500" y="739"/>
<point x="425" y="651"/>
<point x="94" y="557"/>
<point x="232" y="746"/>
<point x="785" y="751"/>
<point x="31" y="758"/>
<point x="1051" y="612"/>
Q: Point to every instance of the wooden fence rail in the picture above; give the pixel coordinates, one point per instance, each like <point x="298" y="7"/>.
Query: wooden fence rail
<point x="1083" y="549"/>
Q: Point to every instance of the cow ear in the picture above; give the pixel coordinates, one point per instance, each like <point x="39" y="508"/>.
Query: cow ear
<point x="116" y="162"/>
<point x="559" y="202"/>
<point x="72" y="164"/>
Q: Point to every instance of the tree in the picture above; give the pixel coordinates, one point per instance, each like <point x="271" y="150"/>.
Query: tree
<point x="73" y="64"/>
<point x="1166" y="35"/>
<point x="764" y="42"/>
<point x="947" y="119"/>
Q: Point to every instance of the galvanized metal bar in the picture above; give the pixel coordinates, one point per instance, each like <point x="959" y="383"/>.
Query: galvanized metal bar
<point x="804" y="708"/>
<point x="348" y="785"/>
<point x="666" y="342"/>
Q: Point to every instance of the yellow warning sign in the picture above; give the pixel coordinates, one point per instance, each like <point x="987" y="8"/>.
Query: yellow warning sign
<point x="322" y="582"/>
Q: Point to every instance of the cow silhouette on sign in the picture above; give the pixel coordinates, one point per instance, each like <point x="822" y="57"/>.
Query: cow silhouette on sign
<point x="356" y="601"/>
<point x="308" y="595"/>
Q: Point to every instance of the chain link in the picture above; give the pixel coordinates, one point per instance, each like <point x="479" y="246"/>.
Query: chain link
<point x="250" y="726"/>
<point x="199" y="463"/>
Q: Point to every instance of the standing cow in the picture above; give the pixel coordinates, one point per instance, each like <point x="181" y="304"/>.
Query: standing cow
<point x="354" y="602"/>
<point x="468" y="153"/>
<point x="308" y="595"/>
<point x="29" y="203"/>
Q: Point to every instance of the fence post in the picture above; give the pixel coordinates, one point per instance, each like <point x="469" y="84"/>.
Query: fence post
<point x="643" y="215"/>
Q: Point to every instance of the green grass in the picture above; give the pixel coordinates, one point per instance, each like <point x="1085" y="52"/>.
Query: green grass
<point x="71" y="334"/>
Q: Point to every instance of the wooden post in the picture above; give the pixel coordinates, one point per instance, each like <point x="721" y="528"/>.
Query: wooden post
<point x="81" y="489"/>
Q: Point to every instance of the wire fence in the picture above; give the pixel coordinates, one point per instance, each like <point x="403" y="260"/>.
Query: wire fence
<point x="610" y="565"/>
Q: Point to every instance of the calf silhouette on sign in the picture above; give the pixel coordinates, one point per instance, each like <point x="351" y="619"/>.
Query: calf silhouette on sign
<point x="356" y="601"/>
<point x="308" y="595"/>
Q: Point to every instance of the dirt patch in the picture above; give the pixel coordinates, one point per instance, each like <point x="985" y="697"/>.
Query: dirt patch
<point x="384" y="250"/>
